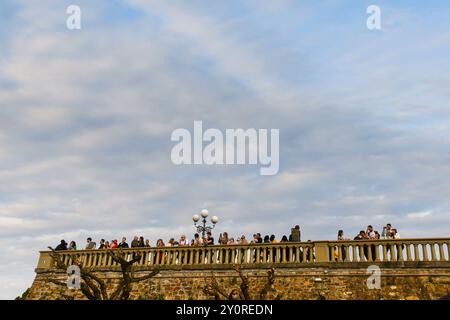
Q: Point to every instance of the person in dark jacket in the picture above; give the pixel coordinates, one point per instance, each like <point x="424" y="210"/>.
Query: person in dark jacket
<point x="62" y="246"/>
<point x="141" y="242"/>
<point x="123" y="244"/>
<point x="102" y="244"/>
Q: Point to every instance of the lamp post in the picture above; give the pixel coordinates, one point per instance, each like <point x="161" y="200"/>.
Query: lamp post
<point x="203" y="228"/>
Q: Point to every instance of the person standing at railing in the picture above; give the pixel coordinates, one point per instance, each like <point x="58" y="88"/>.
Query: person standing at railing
<point x="384" y="233"/>
<point x="72" y="245"/>
<point x="171" y="243"/>
<point x="361" y="237"/>
<point x="284" y="239"/>
<point x="209" y="241"/>
<point x="123" y="244"/>
<point x="102" y="244"/>
<point x="274" y="250"/>
<point x="160" y="254"/>
<point x="141" y="242"/>
<point x="295" y="234"/>
<point x="369" y="232"/>
<point x="396" y="236"/>
<point x="372" y="235"/>
<point x="146" y="254"/>
<point x="223" y="240"/>
<point x="61" y="246"/>
<point x="388" y="229"/>
<point x="114" y="244"/>
<point x="392" y="234"/>
<point x="135" y="242"/>
<point x="90" y="244"/>
<point x="197" y="242"/>
<point x="243" y="241"/>
<point x="230" y="251"/>
<point x="267" y="240"/>
<point x="183" y="242"/>
<point x="341" y="237"/>
<point x="260" y="239"/>
<point x="256" y="239"/>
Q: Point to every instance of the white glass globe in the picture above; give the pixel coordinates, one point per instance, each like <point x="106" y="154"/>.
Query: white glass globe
<point x="214" y="219"/>
<point x="195" y="217"/>
<point x="204" y="213"/>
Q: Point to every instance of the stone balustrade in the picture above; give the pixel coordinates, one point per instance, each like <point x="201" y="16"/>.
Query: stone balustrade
<point x="266" y="255"/>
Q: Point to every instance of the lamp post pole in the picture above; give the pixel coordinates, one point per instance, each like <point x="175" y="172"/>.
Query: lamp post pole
<point x="203" y="228"/>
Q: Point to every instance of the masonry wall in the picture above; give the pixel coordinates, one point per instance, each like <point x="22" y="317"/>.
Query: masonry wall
<point x="324" y="282"/>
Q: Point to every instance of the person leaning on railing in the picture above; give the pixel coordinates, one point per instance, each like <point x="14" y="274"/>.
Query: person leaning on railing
<point x="209" y="241"/>
<point x="359" y="237"/>
<point x="341" y="237"/>
<point x="72" y="245"/>
<point x="244" y="242"/>
<point x="223" y="240"/>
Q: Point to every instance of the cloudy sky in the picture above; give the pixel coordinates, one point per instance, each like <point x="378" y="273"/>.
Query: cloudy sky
<point x="86" y="117"/>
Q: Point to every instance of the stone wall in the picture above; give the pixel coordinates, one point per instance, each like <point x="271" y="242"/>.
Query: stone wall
<point x="319" y="282"/>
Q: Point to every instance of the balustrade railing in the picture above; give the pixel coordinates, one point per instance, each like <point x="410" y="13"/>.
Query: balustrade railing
<point x="389" y="250"/>
<point x="291" y="253"/>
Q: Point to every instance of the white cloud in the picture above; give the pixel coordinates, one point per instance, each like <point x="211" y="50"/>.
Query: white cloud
<point x="85" y="122"/>
<point x="419" y="215"/>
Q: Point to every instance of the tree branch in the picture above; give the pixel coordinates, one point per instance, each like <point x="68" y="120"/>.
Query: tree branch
<point x="151" y="275"/>
<point x="244" y="283"/>
<point x="269" y="284"/>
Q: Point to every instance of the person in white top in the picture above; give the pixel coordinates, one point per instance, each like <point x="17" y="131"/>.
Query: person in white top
<point x="183" y="241"/>
<point x="370" y="233"/>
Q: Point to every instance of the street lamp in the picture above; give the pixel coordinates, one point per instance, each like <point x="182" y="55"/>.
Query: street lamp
<point x="203" y="228"/>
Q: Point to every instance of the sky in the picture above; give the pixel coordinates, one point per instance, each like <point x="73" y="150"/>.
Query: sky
<point x="86" y="117"/>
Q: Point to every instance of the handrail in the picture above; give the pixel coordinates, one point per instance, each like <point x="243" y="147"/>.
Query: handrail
<point x="287" y="253"/>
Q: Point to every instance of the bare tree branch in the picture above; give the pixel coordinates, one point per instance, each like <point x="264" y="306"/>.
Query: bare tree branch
<point x="92" y="286"/>
<point x="244" y="283"/>
<point x="213" y="288"/>
<point x="148" y="276"/>
<point x="269" y="284"/>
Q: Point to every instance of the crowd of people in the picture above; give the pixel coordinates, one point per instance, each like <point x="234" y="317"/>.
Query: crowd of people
<point x="371" y="234"/>
<point x="224" y="239"/>
<point x="388" y="233"/>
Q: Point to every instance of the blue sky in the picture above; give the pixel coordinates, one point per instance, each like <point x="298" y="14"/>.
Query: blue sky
<point x="86" y="118"/>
